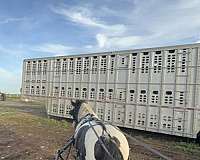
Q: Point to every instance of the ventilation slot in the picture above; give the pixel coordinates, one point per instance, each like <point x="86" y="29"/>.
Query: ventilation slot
<point x="143" y="96"/>
<point x="154" y="98"/>
<point x="78" y="66"/>
<point x="61" y="109"/>
<point x="62" y="91"/>
<point x="183" y="63"/>
<point x="110" y="94"/>
<point x="132" y="95"/>
<point x="69" y="92"/>
<point x="134" y="62"/>
<point x="157" y="65"/>
<point x="141" y="119"/>
<point x="71" y="66"/>
<point x="84" y="93"/>
<point x="181" y="98"/>
<point x="112" y="65"/>
<point x="168" y="97"/>
<point x="39" y="68"/>
<point x="86" y="65"/>
<point x="153" y="121"/>
<point x="94" y="65"/>
<point x="64" y="66"/>
<point x="57" y="67"/>
<point x="92" y="93"/>
<point x="76" y="93"/>
<point x="145" y="63"/>
<point x="100" y="112"/>
<point x="56" y="92"/>
<point x="55" y="108"/>
<point x="37" y="90"/>
<point x="101" y="94"/>
<point x="103" y="66"/>
<point x="34" y="68"/>
<point x="28" y="68"/>
<point x="171" y="62"/>
<point x="44" y="68"/>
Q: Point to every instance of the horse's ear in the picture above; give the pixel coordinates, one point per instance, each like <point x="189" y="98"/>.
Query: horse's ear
<point x="82" y="101"/>
<point x="73" y="103"/>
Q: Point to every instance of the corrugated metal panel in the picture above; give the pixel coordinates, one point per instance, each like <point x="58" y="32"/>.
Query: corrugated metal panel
<point x="154" y="89"/>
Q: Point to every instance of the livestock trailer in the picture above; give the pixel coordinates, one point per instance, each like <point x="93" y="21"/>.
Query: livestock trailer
<point x="152" y="89"/>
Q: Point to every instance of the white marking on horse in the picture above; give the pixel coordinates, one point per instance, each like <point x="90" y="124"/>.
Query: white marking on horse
<point x="90" y="136"/>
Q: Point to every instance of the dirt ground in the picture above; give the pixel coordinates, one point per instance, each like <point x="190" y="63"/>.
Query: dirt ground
<point x="27" y="134"/>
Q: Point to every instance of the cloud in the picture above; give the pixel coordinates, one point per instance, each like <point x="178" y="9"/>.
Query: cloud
<point x="15" y="51"/>
<point x="79" y="15"/>
<point x="9" y="50"/>
<point x="109" y="36"/>
<point x="10" y="20"/>
<point x="117" y="42"/>
<point x="167" y="21"/>
<point x="141" y="24"/>
<point x="88" y="46"/>
<point x="101" y="39"/>
<point x="9" y="81"/>
<point x="10" y="68"/>
<point x="198" y="41"/>
<point x="5" y="50"/>
<point x="84" y="16"/>
<point x="124" y="42"/>
<point x="185" y="4"/>
<point x="57" y="49"/>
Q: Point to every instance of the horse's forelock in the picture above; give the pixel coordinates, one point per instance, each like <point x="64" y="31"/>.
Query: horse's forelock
<point x="84" y="109"/>
<point x="81" y="102"/>
<point x="77" y="106"/>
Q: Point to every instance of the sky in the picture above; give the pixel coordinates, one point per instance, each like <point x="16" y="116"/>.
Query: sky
<point x="40" y="28"/>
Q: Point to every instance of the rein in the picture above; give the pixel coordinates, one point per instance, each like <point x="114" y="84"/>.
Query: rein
<point x="88" y="118"/>
<point x="69" y="143"/>
<point x="101" y="142"/>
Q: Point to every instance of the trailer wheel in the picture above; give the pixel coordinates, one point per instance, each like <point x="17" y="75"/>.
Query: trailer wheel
<point x="198" y="138"/>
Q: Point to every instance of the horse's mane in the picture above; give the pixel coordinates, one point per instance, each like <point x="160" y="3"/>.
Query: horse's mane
<point x="85" y="109"/>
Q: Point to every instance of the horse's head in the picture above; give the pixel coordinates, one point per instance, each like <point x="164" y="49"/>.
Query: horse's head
<point x="76" y="108"/>
<point x="80" y="109"/>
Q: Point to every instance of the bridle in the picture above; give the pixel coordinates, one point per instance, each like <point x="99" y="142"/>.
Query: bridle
<point x="90" y="117"/>
<point x="71" y="141"/>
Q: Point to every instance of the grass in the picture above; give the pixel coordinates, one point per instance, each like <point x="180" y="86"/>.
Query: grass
<point x="5" y="111"/>
<point x="12" y="116"/>
<point x="35" y="131"/>
<point x="172" y="143"/>
<point x="30" y="133"/>
<point x="13" y="97"/>
<point x="187" y="147"/>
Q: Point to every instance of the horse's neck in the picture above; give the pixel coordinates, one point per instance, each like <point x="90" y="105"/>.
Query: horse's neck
<point x="85" y="111"/>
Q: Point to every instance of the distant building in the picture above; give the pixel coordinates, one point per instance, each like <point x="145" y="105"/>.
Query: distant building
<point x="2" y="96"/>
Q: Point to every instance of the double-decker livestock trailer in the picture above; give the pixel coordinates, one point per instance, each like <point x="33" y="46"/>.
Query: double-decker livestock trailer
<point x="152" y="89"/>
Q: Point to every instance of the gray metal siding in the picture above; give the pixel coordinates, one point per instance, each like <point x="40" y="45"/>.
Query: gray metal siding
<point x="153" y="89"/>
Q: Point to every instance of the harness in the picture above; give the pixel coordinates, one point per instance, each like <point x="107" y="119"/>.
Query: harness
<point x="68" y="144"/>
<point x="72" y="140"/>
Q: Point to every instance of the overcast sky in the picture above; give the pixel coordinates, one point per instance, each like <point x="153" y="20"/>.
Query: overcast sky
<point x="38" y="28"/>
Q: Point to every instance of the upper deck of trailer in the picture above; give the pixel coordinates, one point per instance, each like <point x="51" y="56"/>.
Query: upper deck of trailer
<point x="118" y="52"/>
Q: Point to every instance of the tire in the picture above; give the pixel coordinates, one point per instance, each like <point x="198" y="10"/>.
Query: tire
<point x="198" y="138"/>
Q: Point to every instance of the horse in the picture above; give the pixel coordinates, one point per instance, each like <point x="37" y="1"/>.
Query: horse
<point x="94" y="139"/>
